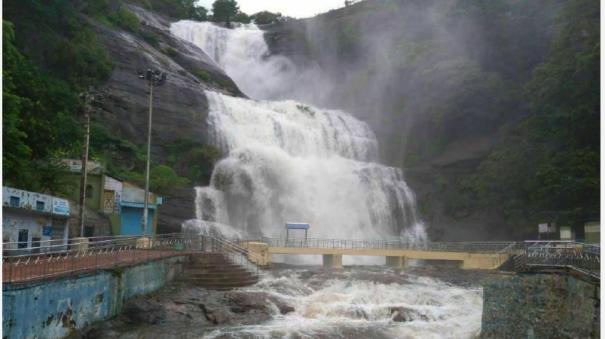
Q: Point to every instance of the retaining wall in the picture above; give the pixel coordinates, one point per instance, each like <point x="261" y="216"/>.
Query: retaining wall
<point x="540" y="306"/>
<point x="53" y="309"/>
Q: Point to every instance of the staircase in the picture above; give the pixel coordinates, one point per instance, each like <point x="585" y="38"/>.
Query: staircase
<point x="521" y="262"/>
<point x="223" y="266"/>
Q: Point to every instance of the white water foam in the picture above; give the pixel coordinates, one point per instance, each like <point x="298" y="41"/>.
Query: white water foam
<point x="421" y="308"/>
<point x="286" y="160"/>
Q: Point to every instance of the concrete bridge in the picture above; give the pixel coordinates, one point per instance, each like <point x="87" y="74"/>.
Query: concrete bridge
<point x="469" y="255"/>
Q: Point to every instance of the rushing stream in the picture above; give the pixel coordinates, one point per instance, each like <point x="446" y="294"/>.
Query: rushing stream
<point x="296" y="302"/>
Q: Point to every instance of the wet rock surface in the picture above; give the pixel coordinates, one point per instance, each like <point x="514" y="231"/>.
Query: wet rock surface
<point x="180" y="305"/>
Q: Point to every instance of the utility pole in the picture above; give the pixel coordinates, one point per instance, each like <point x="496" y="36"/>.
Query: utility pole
<point x="88" y="98"/>
<point x="154" y="78"/>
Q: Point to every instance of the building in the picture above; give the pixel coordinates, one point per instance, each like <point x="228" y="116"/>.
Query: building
<point x="94" y="182"/>
<point x="121" y="202"/>
<point x="31" y="220"/>
<point x="592" y="232"/>
<point x="132" y="207"/>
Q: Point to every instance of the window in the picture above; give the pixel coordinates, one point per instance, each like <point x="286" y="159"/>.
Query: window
<point x="39" y="205"/>
<point x="15" y="201"/>
<point x="23" y="238"/>
<point x="88" y="191"/>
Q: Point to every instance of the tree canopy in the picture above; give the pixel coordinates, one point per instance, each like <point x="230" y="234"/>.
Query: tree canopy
<point x="266" y="17"/>
<point x="225" y="11"/>
<point x="547" y="166"/>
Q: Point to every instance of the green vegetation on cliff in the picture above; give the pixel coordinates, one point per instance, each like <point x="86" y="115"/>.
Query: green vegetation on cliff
<point x="491" y="107"/>
<point x="51" y="55"/>
<point x="548" y="164"/>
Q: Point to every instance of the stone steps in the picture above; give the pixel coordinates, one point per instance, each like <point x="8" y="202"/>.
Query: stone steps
<point x="216" y="271"/>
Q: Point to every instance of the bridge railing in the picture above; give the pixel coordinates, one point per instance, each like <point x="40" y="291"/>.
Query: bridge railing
<point x="473" y="247"/>
<point x="550" y="254"/>
<point x="57" y="260"/>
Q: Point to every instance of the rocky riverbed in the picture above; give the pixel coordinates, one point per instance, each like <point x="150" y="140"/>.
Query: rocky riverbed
<point x="295" y="301"/>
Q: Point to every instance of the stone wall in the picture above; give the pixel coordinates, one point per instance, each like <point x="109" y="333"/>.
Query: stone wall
<point x="53" y="309"/>
<point x="540" y="306"/>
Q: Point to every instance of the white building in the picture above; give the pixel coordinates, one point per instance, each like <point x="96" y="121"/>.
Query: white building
<point x="32" y="221"/>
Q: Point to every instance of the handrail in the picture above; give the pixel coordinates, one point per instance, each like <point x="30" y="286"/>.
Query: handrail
<point x="541" y="255"/>
<point x="390" y="244"/>
<point x="106" y="254"/>
<point x="230" y="248"/>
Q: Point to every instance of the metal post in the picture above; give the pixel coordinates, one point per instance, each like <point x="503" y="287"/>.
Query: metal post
<point x="83" y="178"/>
<point x="146" y="202"/>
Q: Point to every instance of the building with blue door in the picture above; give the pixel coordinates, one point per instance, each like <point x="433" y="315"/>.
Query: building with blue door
<point x="131" y="210"/>
<point x="119" y="202"/>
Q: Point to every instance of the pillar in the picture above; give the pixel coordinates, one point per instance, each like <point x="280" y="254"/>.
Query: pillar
<point x="258" y="252"/>
<point x="397" y="262"/>
<point x="143" y="242"/>
<point x="332" y="260"/>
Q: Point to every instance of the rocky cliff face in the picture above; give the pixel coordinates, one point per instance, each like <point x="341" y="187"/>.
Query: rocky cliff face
<point x="180" y="106"/>
<point x="436" y="80"/>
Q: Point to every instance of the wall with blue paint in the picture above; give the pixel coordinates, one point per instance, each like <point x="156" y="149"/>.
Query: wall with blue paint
<point x="54" y="309"/>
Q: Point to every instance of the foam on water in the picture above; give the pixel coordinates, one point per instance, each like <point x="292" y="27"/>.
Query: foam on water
<point x="421" y="308"/>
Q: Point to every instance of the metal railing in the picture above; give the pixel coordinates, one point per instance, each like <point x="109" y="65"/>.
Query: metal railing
<point x="236" y="254"/>
<point x="544" y="255"/>
<point x="59" y="260"/>
<point x="473" y="247"/>
<point x="53" y="259"/>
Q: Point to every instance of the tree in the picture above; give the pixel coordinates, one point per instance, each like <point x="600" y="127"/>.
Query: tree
<point x="224" y="11"/>
<point x="548" y="164"/>
<point x="199" y="13"/>
<point x="242" y="17"/>
<point x="266" y="17"/>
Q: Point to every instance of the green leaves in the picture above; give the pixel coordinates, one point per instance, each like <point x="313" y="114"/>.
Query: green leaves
<point x="549" y="163"/>
<point x="224" y="10"/>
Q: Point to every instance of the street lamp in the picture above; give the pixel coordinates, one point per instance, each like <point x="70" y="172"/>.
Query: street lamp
<point x="88" y="98"/>
<point x="154" y="78"/>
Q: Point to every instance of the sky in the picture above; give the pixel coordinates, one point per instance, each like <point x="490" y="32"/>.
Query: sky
<point x="293" y="8"/>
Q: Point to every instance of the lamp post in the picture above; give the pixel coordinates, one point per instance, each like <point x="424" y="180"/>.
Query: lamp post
<point x="154" y="78"/>
<point x="88" y="99"/>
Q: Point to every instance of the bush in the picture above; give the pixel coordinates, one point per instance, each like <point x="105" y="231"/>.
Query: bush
<point x="163" y="177"/>
<point x="124" y="19"/>
<point x="265" y="18"/>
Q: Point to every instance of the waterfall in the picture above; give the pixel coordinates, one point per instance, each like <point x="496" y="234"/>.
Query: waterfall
<point x="289" y="161"/>
<point x="245" y="57"/>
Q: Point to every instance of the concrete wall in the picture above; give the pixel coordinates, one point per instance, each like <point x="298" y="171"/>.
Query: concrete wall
<point x="54" y="309"/>
<point x="72" y="185"/>
<point x="540" y="306"/>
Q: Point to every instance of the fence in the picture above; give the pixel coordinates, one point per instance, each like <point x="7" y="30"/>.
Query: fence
<point x="52" y="260"/>
<point x="539" y="255"/>
<point x="472" y="247"/>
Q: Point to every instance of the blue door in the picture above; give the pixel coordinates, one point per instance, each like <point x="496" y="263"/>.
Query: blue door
<point x="131" y="221"/>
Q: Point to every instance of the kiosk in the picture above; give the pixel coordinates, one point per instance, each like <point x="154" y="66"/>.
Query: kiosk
<point x="296" y="226"/>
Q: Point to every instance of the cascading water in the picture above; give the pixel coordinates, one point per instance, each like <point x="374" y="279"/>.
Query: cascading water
<point x="245" y="57"/>
<point x="288" y="161"/>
